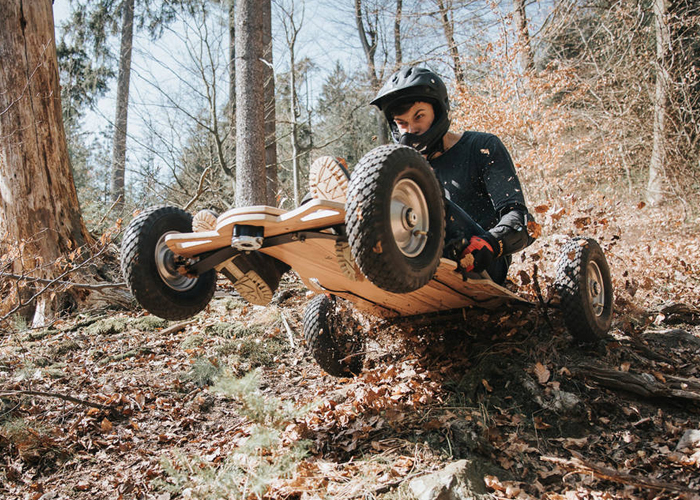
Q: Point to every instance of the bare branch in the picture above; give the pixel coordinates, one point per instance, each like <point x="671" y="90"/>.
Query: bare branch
<point x="66" y="397"/>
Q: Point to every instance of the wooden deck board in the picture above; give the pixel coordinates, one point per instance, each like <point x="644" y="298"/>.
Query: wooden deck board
<point x="315" y="261"/>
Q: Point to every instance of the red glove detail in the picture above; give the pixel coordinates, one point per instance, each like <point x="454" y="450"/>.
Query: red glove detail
<point x="477" y="256"/>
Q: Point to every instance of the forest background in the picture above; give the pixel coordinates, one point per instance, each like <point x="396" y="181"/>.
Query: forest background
<point x="571" y="87"/>
<point x="599" y="103"/>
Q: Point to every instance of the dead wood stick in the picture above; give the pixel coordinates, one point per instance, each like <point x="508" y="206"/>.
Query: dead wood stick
<point x="94" y="286"/>
<point x="643" y="384"/>
<point x="175" y="328"/>
<point x="119" y="198"/>
<point x="200" y="188"/>
<point x="66" y="397"/>
<point x="580" y="466"/>
<point x="290" y="333"/>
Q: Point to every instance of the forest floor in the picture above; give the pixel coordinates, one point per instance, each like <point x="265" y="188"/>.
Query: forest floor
<point x="120" y="404"/>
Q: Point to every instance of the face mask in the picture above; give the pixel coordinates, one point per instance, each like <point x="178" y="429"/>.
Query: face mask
<point x="429" y="141"/>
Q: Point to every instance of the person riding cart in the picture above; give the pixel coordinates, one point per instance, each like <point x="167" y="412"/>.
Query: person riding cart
<point x="485" y="211"/>
<point x="486" y="215"/>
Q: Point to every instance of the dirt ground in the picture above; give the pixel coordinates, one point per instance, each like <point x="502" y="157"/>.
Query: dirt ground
<point x="120" y="404"/>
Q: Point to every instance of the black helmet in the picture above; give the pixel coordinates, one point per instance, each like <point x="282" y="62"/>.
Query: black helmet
<point x="416" y="84"/>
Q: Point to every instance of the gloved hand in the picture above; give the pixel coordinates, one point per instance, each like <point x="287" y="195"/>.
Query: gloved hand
<point x="479" y="254"/>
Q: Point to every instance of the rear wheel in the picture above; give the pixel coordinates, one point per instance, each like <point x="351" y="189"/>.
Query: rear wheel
<point x="333" y="337"/>
<point x="395" y="218"/>
<point x="154" y="274"/>
<point x="585" y="289"/>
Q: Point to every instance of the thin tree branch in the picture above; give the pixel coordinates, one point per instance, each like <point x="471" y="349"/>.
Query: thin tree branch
<point x="66" y="397"/>
<point x="93" y="286"/>
<point x="200" y="188"/>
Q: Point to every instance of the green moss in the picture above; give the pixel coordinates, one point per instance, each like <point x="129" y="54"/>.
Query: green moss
<point x="149" y="323"/>
<point x="141" y="351"/>
<point x="42" y="361"/>
<point x="253" y="351"/>
<point x="231" y="303"/>
<point x="233" y="330"/>
<point x="203" y="372"/>
<point x="41" y="334"/>
<point x="108" y="326"/>
<point x="55" y="371"/>
<point x="192" y="342"/>
<point x="65" y="346"/>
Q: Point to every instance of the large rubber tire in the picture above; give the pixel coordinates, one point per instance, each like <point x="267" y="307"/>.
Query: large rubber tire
<point x="150" y="268"/>
<point x="585" y="289"/>
<point x="393" y="198"/>
<point x="333" y="337"/>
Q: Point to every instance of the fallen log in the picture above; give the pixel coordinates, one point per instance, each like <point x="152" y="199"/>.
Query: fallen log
<point x="644" y="384"/>
<point x="578" y="465"/>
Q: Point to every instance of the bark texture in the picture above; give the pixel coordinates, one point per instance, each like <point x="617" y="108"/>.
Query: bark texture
<point x="369" y="41"/>
<point x="527" y="59"/>
<point x="270" y="115"/>
<point x="654" y="194"/>
<point x="120" y="120"/>
<point x="38" y="200"/>
<point x="251" y="186"/>
<point x="231" y="108"/>
<point x="449" y="30"/>
<point x="397" y="33"/>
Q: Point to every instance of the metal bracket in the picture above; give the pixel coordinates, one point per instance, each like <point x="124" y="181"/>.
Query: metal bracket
<point x="226" y="253"/>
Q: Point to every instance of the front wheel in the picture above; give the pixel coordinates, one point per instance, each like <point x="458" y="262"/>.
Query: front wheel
<point x="154" y="274"/>
<point x="395" y="218"/>
<point x="333" y="337"/>
<point x="585" y="289"/>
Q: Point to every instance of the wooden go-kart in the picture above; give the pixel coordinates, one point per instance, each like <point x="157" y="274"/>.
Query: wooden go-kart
<point x="381" y="251"/>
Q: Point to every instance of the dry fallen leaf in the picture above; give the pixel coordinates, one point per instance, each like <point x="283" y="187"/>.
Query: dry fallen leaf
<point x="82" y="486"/>
<point x="106" y="426"/>
<point x="558" y="214"/>
<point x="542" y="373"/>
<point x="582" y="222"/>
<point x="541" y="424"/>
<point x="534" y="229"/>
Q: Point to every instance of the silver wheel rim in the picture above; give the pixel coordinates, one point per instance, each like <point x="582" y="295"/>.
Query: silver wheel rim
<point x="409" y="217"/>
<point x="165" y="263"/>
<point x="596" y="289"/>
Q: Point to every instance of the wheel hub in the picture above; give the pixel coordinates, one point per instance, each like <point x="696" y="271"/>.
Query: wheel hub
<point x="409" y="217"/>
<point x="596" y="290"/>
<point x="168" y="269"/>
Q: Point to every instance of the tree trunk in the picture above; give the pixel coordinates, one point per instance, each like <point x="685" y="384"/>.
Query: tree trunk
<point x="397" y="33"/>
<point x="449" y="30"/>
<point x="654" y="193"/>
<point x="120" y="120"/>
<point x="251" y="186"/>
<point x="38" y="201"/>
<point x="369" y="46"/>
<point x="293" y="115"/>
<point x="270" y="115"/>
<point x="527" y="60"/>
<point x="231" y="136"/>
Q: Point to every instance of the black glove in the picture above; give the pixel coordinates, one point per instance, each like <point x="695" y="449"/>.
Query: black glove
<point x="478" y="254"/>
